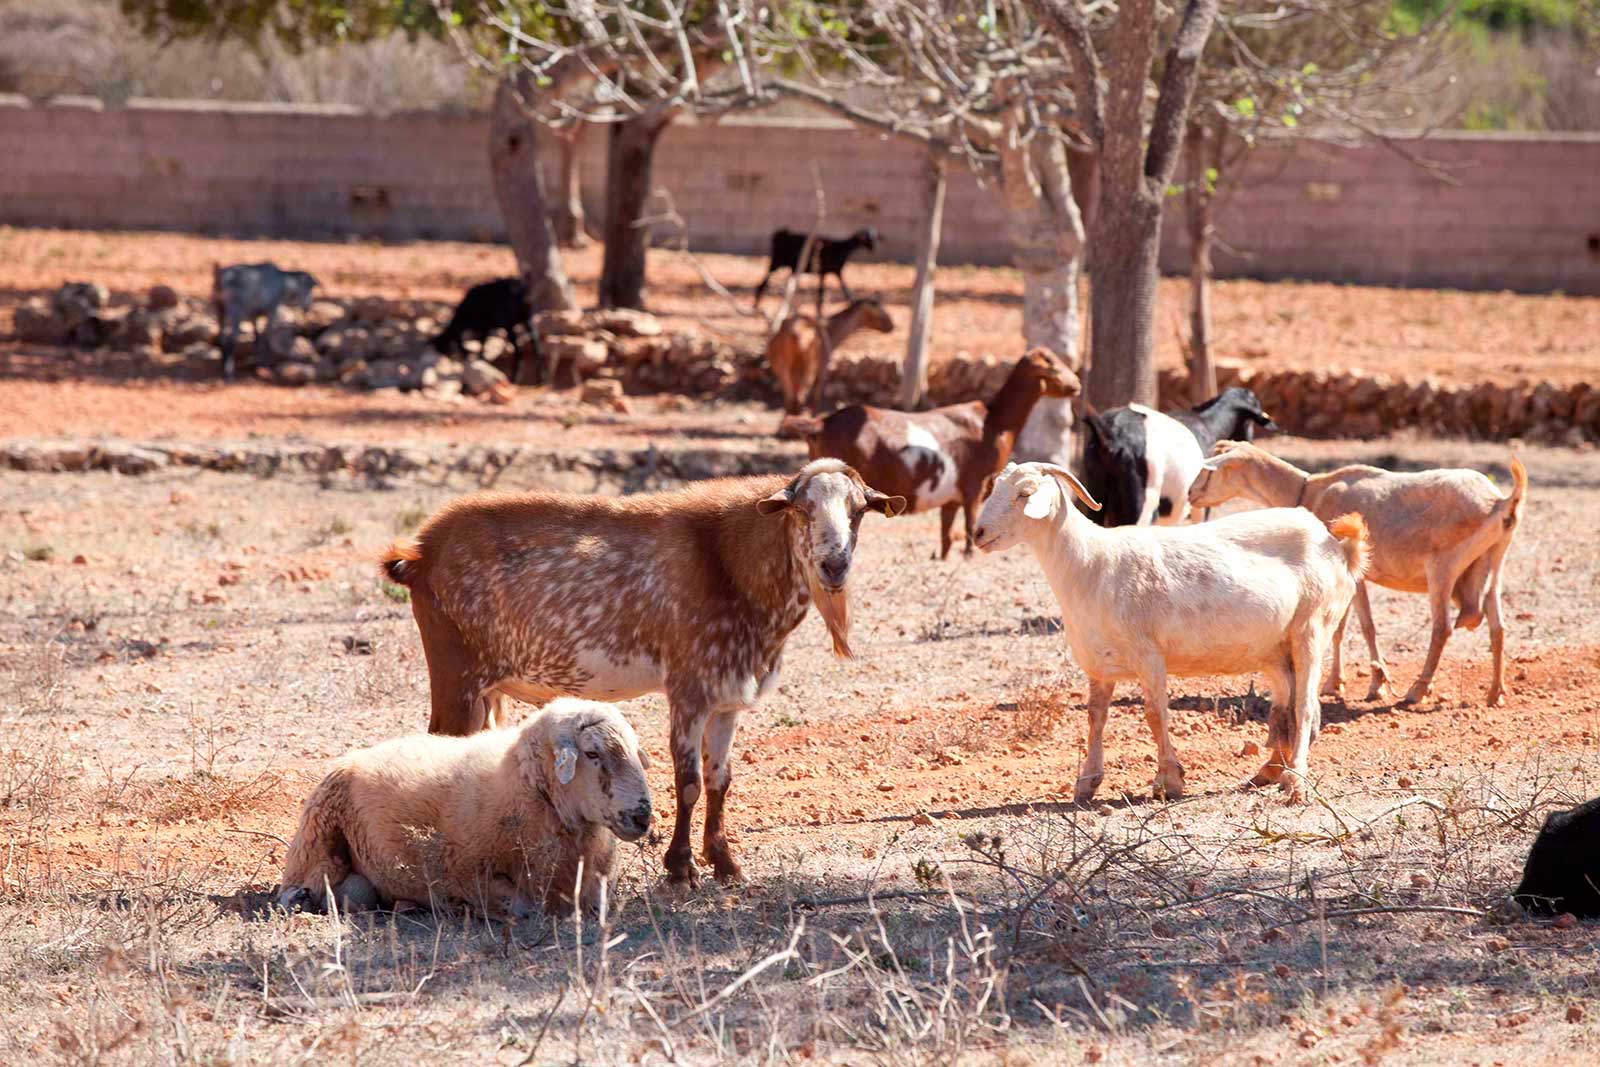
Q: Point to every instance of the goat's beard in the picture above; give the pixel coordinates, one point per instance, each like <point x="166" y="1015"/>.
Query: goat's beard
<point x="834" y="607"/>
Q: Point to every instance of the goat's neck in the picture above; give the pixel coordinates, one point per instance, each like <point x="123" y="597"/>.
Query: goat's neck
<point x="1069" y="548"/>
<point x="761" y="555"/>
<point x="1007" y="413"/>
<point x="842" y="324"/>
<point x="1276" y="482"/>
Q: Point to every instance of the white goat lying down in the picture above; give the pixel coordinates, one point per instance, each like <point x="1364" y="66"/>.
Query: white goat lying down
<point x="499" y="820"/>
<point x="1440" y="532"/>
<point x="1260" y="591"/>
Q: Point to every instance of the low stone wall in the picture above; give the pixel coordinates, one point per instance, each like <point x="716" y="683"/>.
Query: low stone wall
<point x="1355" y="403"/>
<point x="377" y="344"/>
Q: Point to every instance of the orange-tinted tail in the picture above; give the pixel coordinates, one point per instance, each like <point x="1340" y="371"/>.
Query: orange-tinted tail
<point x="1519" y="491"/>
<point x="1351" y="531"/>
<point x="400" y="562"/>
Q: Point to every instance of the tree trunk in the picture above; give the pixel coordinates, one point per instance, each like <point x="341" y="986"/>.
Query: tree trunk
<point x="1202" y="373"/>
<point x="914" y="376"/>
<point x="519" y="187"/>
<point x="567" y="215"/>
<point x="1122" y="294"/>
<point x="630" y="153"/>
<point x="1046" y="229"/>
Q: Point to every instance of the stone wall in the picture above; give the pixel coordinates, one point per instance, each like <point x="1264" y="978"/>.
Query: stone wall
<point x="1523" y="211"/>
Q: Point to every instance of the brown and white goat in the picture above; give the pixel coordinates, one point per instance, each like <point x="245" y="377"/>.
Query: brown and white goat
<point x="1440" y="532"/>
<point x="943" y="457"/>
<point x="691" y="593"/>
<point x="797" y="355"/>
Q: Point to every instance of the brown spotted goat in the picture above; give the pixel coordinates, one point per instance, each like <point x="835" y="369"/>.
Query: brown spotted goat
<point x="691" y="593"/>
<point x="940" y="458"/>
<point x="798" y="357"/>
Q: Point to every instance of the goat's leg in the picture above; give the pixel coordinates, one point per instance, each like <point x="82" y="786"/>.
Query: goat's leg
<point x="947" y="520"/>
<point x="762" y="288"/>
<point x="969" y="514"/>
<point x="1442" y="574"/>
<point x="453" y="678"/>
<point x="1168" y="784"/>
<point x="1307" y="708"/>
<point x="1280" y="722"/>
<point x="1094" y="762"/>
<point x="1362" y="605"/>
<point x="230" y="341"/>
<point x="1497" y="633"/>
<point x="849" y="297"/>
<point x="688" y="728"/>
<point x="1468" y="593"/>
<point x="1333" y="685"/>
<point x="717" y="747"/>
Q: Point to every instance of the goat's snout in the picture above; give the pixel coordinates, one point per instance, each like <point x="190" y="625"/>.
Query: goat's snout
<point x="834" y="569"/>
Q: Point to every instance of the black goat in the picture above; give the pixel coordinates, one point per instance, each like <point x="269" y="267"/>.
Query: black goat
<point x="1139" y="463"/>
<point x="490" y="306"/>
<point x="1563" y="868"/>
<point x="828" y="256"/>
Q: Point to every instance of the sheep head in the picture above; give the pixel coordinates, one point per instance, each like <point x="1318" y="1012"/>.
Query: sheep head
<point x="595" y="766"/>
<point x="824" y="504"/>
<point x="1024" y="494"/>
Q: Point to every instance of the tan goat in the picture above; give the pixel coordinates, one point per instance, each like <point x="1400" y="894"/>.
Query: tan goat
<point x="500" y="820"/>
<point x="1440" y="532"/>
<point x="796" y="354"/>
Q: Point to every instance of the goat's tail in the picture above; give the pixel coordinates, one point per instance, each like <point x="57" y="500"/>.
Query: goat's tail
<point x="400" y="562"/>
<point x="804" y="426"/>
<point x="1351" y="531"/>
<point x="1519" y="492"/>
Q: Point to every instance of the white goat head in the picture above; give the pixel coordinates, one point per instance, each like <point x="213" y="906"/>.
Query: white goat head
<point x="826" y="501"/>
<point x="596" y="764"/>
<point x="1024" y="494"/>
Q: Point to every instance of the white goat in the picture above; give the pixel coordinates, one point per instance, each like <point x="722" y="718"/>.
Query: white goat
<point x="1255" y="592"/>
<point x="503" y="819"/>
<point x="1442" y="532"/>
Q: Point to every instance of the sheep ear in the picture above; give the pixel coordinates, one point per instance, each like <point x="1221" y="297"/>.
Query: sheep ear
<point x="566" y="754"/>
<point x="1068" y="478"/>
<point x="775" y="503"/>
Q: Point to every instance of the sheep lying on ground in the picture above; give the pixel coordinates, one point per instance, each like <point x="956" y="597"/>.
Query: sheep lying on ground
<point x="500" y="820"/>
<point x="1260" y="591"/>
<point x="1442" y="532"/>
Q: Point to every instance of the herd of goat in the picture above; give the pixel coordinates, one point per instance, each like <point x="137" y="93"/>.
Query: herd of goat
<point x="574" y="602"/>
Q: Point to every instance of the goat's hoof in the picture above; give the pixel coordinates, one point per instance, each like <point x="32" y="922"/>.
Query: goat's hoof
<point x="1168" y="786"/>
<point x="727" y="870"/>
<point x="1294" y="786"/>
<point x="295" y="898"/>
<point x="1268" y="774"/>
<point x="1497" y="698"/>
<point x="1415" y="696"/>
<point x="681" y="870"/>
<point x="1332" y="689"/>
<point x="1086" y="789"/>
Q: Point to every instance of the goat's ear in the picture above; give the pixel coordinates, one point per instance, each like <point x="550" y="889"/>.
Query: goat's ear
<point x="1069" y="479"/>
<point x="566" y="757"/>
<point x="1212" y="464"/>
<point x="882" y="502"/>
<point x="1035" y="505"/>
<point x="644" y="758"/>
<point x="1261" y="418"/>
<point x="775" y="503"/>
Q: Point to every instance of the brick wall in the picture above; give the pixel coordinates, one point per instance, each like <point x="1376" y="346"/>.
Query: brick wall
<point x="1524" y="212"/>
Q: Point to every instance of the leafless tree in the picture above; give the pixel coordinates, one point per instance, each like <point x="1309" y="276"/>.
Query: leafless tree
<point x="1276" y="71"/>
<point x="632" y="67"/>
<point x="1138" y="146"/>
<point x="977" y="80"/>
